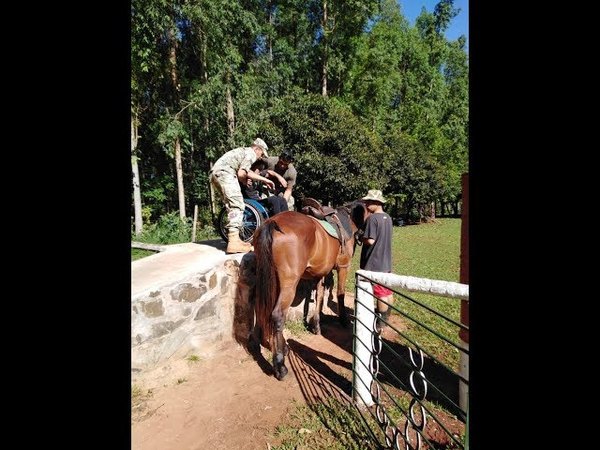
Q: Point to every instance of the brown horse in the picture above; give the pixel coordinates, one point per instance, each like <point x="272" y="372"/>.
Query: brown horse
<point x="289" y="247"/>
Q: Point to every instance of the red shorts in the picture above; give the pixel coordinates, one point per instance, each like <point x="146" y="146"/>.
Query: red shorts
<point x="381" y="291"/>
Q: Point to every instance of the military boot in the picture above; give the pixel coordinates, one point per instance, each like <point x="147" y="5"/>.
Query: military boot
<point x="235" y="244"/>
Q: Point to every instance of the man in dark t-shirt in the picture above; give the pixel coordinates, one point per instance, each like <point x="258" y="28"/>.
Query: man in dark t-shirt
<point x="283" y="165"/>
<point x="376" y="253"/>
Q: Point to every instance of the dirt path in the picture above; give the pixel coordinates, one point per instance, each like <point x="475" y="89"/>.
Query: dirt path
<point x="231" y="401"/>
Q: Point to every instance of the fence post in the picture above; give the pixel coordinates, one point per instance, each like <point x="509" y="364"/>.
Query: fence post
<point x="463" y="389"/>
<point x="363" y="330"/>
<point x="194" y="223"/>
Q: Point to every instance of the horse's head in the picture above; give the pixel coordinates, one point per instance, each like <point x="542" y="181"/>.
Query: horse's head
<point x="357" y="212"/>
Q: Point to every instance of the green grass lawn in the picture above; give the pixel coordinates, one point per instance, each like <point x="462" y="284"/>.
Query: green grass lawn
<point x="137" y="253"/>
<point x="427" y="251"/>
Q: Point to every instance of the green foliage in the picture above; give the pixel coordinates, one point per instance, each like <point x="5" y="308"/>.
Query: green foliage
<point x="146" y="215"/>
<point x="157" y="195"/>
<point x="389" y="83"/>
<point x="170" y="229"/>
<point x="138" y="253"/>
<point x="412" y="171"/>
<point x="337" y="157"/>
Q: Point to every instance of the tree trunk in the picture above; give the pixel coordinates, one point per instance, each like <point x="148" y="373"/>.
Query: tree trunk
<point x="178" y="163"/>
<point x="432" y="210"/>
<point x="137" y="195"/>
<point x="179" y="168"/>
<point x="203" y="65"/>
<point x="270" y="39"/>
<point x="325" y="52"/>
<point x="230" y="113"/>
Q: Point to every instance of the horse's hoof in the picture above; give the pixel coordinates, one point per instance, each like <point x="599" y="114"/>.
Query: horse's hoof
<point x="281" y="373"/>
<point x="313" y="326"/>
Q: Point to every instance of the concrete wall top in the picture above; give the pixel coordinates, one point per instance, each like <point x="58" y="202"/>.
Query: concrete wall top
<point x="174" y="263"/>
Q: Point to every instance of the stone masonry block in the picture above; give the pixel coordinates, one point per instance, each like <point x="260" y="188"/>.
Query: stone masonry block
<point x="153" y="309"/>
<point x="208" y="309"/>
<point x="187" y="293"/>
<point x="162" y="328"/>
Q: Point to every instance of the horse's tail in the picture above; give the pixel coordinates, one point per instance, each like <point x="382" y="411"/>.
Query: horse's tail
<point x="266" y="277"/>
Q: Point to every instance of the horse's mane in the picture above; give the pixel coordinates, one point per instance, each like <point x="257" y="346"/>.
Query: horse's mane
<point x="354" y="211"/>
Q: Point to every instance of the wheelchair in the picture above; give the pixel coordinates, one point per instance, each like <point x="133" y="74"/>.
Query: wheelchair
<point x="255" y="214"/>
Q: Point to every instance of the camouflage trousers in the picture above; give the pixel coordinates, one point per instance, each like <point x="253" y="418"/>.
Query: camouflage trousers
<point x="228" y="187"/>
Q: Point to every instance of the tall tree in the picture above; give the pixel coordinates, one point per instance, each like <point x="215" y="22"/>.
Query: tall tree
<point x="147" y="21"/>
<point x="176" y="101"/>
<point x="339" y="24"/>
<point x="374" y="77"/>
<point x="336" y="155"/>
<point x="137" y="196"/>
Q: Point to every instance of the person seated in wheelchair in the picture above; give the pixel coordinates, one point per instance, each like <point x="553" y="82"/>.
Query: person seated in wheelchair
<point x="256" y="190"/>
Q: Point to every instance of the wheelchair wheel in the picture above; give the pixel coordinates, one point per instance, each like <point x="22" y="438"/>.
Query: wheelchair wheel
<point x="253" y="218"/>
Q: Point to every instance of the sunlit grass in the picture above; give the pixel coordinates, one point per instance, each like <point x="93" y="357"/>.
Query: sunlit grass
<point x="431" y="251"/>
<point x="329" y="425"/>
<point x="296" y="327"/>
<point x="138" y="253"/>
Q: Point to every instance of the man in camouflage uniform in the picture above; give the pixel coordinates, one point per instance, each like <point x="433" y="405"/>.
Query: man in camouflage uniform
<point x="227" y="173"/>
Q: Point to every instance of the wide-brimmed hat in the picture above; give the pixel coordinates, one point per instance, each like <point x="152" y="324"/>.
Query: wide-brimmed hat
<point x="261" y="144"/>
<point x="375" y="195"/>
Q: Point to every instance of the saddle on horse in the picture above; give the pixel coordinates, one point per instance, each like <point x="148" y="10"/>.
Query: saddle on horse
<point x="312" y="207"/>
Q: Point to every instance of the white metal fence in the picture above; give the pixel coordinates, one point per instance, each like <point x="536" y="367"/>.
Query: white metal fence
<point x="367" y="347"/>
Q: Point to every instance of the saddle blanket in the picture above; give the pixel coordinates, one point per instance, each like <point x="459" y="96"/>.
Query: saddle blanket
<point x="328" y="227"/>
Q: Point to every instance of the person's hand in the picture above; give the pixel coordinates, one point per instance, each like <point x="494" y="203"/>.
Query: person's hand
<point x="270" y="184"/>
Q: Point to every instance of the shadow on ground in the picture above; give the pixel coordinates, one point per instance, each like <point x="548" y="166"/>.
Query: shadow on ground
<point x="219" y="244"/>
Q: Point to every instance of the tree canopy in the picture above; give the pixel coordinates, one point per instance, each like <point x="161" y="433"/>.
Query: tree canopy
<point x="364" y="99"/>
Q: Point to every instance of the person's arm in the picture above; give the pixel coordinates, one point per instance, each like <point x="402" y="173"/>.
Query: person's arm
<point x="272" y="173"/>
<point x="287" y="193"/>
<point x="368" y="229"/>
<point x="368" y="241"/>
<point x="290" y="185"/>
<point x="257" y="177"/>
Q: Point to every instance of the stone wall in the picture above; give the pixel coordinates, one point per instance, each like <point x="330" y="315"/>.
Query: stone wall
<point x="194" y="313"/>
<point x="183" y="317"/>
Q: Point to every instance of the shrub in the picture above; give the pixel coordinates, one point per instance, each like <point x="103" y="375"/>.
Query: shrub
<point x="170" y="229"/>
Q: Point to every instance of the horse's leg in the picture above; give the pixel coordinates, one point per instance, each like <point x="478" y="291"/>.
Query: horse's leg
<point x="254" y="339"/>
<point x="278" y="344"/>
<point x="314" y="324"/>
<point x="341" y="295"/>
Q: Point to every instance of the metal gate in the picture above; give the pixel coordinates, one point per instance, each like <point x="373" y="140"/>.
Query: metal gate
<point x="412" y="386"/>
